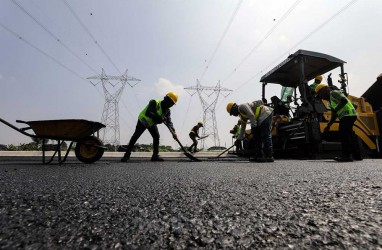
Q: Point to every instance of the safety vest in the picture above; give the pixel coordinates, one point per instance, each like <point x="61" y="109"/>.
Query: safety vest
<point x="257" y="113"/>
<point x="192" y="130"/>
<point x="238" y="131"/>
<point x="147" y="121"/>
<point x="347" y="110"/>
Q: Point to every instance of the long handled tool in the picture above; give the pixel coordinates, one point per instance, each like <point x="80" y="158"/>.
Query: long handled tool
<point x="203" y="137"/>
<point x="190" y="156"/>
<point x="225" y="151"/>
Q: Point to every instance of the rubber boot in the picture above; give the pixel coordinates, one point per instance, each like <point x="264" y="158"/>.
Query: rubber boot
<point x="126" y="157"/>
<point x="156" y="158"/>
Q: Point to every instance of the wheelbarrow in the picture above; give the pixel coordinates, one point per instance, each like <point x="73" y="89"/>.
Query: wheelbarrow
<point x="89" y="148"/>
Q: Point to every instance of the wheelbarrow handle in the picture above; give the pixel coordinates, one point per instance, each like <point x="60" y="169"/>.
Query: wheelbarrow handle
<point x="16" y="128"/>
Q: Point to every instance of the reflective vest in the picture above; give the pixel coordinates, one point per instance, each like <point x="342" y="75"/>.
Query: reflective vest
<point x="192" y="130"/>
<point x="257" y="113"/>
<point x="147" y="121"/>
<point x="347" y="110"/>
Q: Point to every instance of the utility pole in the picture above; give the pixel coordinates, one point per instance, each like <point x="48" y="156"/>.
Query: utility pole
<point x="208" y="97"/>
<point x="110" y="114"/>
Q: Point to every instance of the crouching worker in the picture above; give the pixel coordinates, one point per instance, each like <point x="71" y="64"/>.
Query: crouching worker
<point x="193" y="134"/>
<point x="342" y="108"/>
<point x="236" y="133"/>
<point x="260" y="117"/>
<point x="156" y="112"/>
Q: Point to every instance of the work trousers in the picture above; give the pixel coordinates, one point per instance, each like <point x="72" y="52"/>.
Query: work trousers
<point x="349" y="141"/>
<point x="195" y="142"/>
<point x="139" y="129"/>
<point x="263" y="138"/>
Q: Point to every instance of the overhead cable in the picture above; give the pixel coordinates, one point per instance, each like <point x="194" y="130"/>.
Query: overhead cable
<point x="51" y="34"/>
<point x="90" y="34"/>
<point x="284" y="16"/>
<point x="298" y="43"/>
<point x="221" y="39"/>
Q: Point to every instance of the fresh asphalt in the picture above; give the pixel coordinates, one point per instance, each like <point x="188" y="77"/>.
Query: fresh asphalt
<point x="180" y="204"/>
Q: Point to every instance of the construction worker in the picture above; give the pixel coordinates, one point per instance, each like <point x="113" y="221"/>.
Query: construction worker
<point x="260" y="117"/>
<point x="236" y="133"/>
<point x="156" y="112"/>
<point x="342" y="108"/>
<point x="193" y="134"/>
<point x="317" y="80"/>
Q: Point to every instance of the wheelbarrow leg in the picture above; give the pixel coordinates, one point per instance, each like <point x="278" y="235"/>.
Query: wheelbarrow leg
<point x="67" y="153"/>
<point x="43" y="154"/>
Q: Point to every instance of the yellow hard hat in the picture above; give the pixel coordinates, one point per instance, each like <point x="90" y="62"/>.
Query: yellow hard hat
<point x="319" y="87"/>
<point x="318" y="78"/>
<point x="229" y="107"/>
<point x="173" y="96"/>
<point x="201" y="123"/>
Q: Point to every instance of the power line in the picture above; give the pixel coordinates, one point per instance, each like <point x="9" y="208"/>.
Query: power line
<point x="90" y="34"/>
<point x="221" y="39"/>
<point x="295" y="45"/>
<point x="98" y="44"/>
<point x="51" y="34"/>
<point x="284" y="16"/>
<point x="45" y="54"/>
<point x="42" y="52"/>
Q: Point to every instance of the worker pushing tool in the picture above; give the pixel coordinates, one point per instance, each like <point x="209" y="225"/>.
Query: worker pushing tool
<point x="156" y="112"/>
<point x="260" y="117"/>
<point x="344" y="110"/>
<point x="193" y="134"/>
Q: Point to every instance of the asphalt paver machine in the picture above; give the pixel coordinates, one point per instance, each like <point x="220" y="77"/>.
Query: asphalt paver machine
<point x="300" y="118"/>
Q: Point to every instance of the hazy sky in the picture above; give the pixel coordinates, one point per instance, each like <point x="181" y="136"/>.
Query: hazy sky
<point x="168" y="44"/>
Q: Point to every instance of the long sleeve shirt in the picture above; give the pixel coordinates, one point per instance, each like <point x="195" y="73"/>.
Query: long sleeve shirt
<point x="166" y="113"/>
<point x="247" y="112"/>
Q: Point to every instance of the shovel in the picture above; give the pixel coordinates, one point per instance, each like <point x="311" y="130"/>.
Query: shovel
<point x="225" y="151"/>
<point x="203" y="137"/>
<point x="190" y="156"/>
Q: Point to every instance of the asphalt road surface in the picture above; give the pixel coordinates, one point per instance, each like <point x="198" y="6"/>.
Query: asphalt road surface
<point x="179" y="204"/>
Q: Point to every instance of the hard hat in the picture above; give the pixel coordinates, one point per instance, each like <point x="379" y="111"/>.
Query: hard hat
<point x="201" y="123"/>
<point x="173" y="96"/>
<point x="229" y="107"/>
<point x="318" y="78"/>
<point x="319" y="87"/>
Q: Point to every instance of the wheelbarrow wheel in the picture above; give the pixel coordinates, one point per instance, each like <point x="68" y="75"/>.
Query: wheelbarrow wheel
<point x="88" y="150"/>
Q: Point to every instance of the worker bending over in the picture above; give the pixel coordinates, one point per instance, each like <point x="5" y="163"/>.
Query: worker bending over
<point x="156" y="112"/>
<point x="260" y="117"/>
<point x="342" y="108"/>
<point x="193" y="134"/>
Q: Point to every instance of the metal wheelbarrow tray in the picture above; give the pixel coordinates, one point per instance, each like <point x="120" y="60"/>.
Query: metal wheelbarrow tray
<point x="89" y="148"/>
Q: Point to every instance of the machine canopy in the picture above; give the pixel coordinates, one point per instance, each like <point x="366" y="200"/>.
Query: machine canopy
<point x="288" y="73"/>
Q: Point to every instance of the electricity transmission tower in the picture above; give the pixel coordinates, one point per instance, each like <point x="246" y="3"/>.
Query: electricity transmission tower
<point x="208" y="97"/>
<point x="110" y="114"/>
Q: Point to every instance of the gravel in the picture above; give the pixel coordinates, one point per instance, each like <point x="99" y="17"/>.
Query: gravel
<point x="177" y="204"/>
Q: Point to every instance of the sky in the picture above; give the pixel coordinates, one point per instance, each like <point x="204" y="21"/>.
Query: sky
<point x="47" y="54"/>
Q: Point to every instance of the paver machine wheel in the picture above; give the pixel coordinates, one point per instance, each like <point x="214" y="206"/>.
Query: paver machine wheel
<point x="90" y="149"/>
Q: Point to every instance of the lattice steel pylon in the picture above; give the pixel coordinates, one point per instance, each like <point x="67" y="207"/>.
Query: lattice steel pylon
<point x="208" y="97"/>
<point x="110" y="115"/>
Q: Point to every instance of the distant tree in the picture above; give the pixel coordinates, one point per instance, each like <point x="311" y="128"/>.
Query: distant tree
<point x="12" y="147"/>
